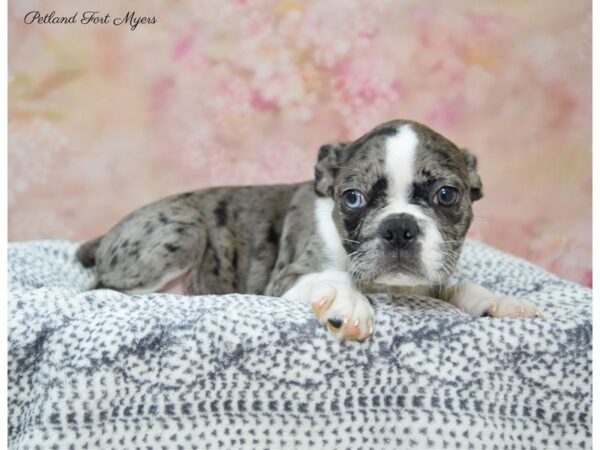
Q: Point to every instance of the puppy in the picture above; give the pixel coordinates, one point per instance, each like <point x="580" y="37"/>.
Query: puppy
<point x="387" y="212"/>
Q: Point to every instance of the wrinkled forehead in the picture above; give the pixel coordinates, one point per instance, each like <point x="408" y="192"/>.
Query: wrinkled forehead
<point x="364" y="160"/>
<point x="401" y="153"/>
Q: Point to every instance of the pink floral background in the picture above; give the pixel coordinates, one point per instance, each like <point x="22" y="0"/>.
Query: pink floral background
<point x="103" y="119"/>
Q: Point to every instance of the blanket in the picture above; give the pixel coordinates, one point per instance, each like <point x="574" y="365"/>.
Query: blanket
<point x="100" y="369"/>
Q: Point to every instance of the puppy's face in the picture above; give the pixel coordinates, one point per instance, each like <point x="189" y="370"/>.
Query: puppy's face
<point x="402" y="199"/>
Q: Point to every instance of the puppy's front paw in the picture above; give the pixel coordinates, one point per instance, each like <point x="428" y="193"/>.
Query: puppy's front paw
<point x="346" y="312"/>
<point x="509" y="307"/>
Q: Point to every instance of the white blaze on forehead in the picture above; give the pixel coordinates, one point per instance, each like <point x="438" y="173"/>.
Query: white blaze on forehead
<point x="399" y="162"/>
<point x="401" y="150"/>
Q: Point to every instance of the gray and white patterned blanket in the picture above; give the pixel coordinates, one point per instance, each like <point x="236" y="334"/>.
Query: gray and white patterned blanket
<point x="104" y="370"/>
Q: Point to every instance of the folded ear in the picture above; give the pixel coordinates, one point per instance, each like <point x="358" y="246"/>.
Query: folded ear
<point x="326" y="168"/>
<point x="474" y="180"/>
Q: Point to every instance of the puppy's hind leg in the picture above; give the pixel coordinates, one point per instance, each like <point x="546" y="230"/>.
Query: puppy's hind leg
<point x="150" y="249"/>
<point x="86" y="253"/>
<point x="154" y="268"/>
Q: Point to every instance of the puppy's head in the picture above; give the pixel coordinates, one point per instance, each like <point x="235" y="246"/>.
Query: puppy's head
<point x="400" y="199"/>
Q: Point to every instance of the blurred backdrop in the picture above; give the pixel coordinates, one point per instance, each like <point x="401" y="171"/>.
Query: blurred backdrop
<point x="103" y="119"/>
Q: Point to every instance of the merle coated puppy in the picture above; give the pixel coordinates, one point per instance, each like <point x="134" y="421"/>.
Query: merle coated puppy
<point x="388" y="211"/>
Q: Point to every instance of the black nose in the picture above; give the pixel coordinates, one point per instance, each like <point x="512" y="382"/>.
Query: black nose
<point x="399" y="230"/>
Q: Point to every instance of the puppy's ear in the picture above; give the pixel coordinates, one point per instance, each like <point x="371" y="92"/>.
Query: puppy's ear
<point x="326" y="168"/>
<point x="474" y="180"/>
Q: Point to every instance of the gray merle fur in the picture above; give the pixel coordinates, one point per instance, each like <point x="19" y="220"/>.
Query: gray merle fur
<point x="260" y="239"/>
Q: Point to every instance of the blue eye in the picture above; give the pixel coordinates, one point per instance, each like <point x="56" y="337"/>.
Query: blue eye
<point x="354" y="199"/>
<point x="446" y="196"/>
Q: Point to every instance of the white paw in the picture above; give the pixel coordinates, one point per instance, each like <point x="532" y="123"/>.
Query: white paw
<point x="501" y="306"/>
<point x="346" y="312"/>
<point x="477" y="301"/>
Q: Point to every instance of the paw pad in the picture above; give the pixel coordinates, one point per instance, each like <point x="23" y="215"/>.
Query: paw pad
<point x="511" y="307"/>
<point x="346" y="313"/>
<point x="335" y="323"/>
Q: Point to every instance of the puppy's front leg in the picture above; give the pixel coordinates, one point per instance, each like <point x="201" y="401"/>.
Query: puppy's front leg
<point x="346" y="312"/>
<point x="477" y="301"/>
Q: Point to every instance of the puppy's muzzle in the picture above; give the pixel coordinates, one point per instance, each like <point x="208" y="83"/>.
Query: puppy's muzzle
<point x="399" y="231"/>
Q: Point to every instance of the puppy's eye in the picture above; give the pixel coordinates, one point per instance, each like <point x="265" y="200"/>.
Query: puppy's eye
<point x="446" y="196"/>
<point x="354" y="199"/>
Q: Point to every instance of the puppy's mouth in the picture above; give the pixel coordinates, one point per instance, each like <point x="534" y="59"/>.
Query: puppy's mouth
<point x="405" y="264"/>
<point x="374" y="262"/>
